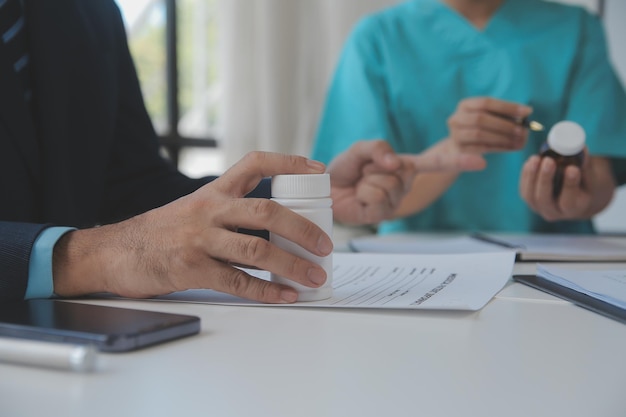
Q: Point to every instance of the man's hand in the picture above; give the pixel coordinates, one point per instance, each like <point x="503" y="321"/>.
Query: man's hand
<point x="369" y="180"/>
<point x="484" y="125"/>
<point x="193" y="242"/>
<point x="585" y="193"/>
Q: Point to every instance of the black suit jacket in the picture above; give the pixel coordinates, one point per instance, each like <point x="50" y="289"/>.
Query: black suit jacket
<point x="87" y="153"/>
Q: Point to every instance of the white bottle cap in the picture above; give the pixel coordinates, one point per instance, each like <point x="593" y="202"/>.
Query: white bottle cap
<point x="567" y="138"/>
<point x="301" y="186"/>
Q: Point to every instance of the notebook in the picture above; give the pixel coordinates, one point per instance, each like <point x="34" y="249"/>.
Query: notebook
<point x="533" y="247"/>
<point x="601" y="291"/>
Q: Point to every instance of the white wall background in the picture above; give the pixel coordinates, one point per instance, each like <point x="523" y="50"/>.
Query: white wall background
<point x="276" y="60"/>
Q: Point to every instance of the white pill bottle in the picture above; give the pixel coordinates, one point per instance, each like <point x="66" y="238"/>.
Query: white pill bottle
<point x="309" y="196"/>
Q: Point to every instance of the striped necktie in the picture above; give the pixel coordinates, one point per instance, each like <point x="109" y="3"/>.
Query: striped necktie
<point x="13" y="37"/>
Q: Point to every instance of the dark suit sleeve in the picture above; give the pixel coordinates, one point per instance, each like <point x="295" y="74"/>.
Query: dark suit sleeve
<point x="16" y="243"/>
<point x="130" y="176"/>
<point x="139" y="178"/>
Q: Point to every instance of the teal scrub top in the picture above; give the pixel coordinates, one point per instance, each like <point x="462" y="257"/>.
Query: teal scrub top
<point x="404" y="70"/>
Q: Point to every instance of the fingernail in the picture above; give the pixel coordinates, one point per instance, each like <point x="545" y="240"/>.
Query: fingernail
<point x="317" y="275"/>
<point x="316" y="165"/>
<point x="288" y="296"/>
<point x="324" y="245"/>
<point x="390" y="158"/>
<point x="524" y="111"/>
<point x="571" y="175"/>
<point x="547" y="166"/>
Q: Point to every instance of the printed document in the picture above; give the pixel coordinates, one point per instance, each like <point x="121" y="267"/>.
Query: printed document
<point x="397" y="281"/>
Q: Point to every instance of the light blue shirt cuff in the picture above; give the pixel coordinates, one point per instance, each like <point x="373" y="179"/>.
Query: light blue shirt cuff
<point x="40" y="283"/>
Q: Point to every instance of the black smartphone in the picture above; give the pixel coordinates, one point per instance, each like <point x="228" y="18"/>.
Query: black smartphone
<point x="110" y="329"/>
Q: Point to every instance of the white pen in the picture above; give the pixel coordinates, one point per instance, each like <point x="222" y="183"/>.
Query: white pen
<point x="62" y="356"/>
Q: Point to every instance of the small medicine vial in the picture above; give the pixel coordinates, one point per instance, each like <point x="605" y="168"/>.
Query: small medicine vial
<point x="309" y="196"/>
<point x="565" y="144"/>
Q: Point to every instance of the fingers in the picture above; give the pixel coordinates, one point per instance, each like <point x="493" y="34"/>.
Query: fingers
<point x="537" y="189"/>
<point x="237" y="282"/>
<point x="347" y="169"/>
<point x="496" y="106"/>
<point x="372" y="199"/>
<point x="378" y="151"/>
<point x="432" y="162"/>
<point x="489" y="125"/>
<point x="242" y="177"/>
<point x="379" y="192"/>
<point x="379" y="195"/>
<point x="398" y="179"/>
<point x="536" y="186"/>
<point x="258" y="214"/>
<point x="235" y="212"/>
<point x="544" y="190"/>
<point x="491" y="132"/>
<point x="243" y="249"/>
<point x="528" y="179"/>
<point x="190" y="242"/>
<point x="368" y="181"/>
<point x="247" y="250"/>
<point x="570" y="202"/>
<point x="512" y="137"/>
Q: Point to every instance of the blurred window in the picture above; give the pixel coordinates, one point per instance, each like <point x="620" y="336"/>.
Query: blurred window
<point x="174" y="46"/>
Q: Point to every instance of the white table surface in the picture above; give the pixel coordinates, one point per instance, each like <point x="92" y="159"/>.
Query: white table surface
<point x="524" y="354"/>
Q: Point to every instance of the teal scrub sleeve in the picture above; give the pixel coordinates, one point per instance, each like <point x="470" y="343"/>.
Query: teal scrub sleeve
<point x="356" y="103"/>
<point x="618" y="166"/>
<point x="598" y="100"/>
<point x="40" y="283"/>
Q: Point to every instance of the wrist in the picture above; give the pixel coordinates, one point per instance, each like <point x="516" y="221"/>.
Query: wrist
<point x="78" y="264"/>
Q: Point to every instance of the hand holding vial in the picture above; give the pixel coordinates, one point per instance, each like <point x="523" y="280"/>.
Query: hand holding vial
<point x="565" y="182"/>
